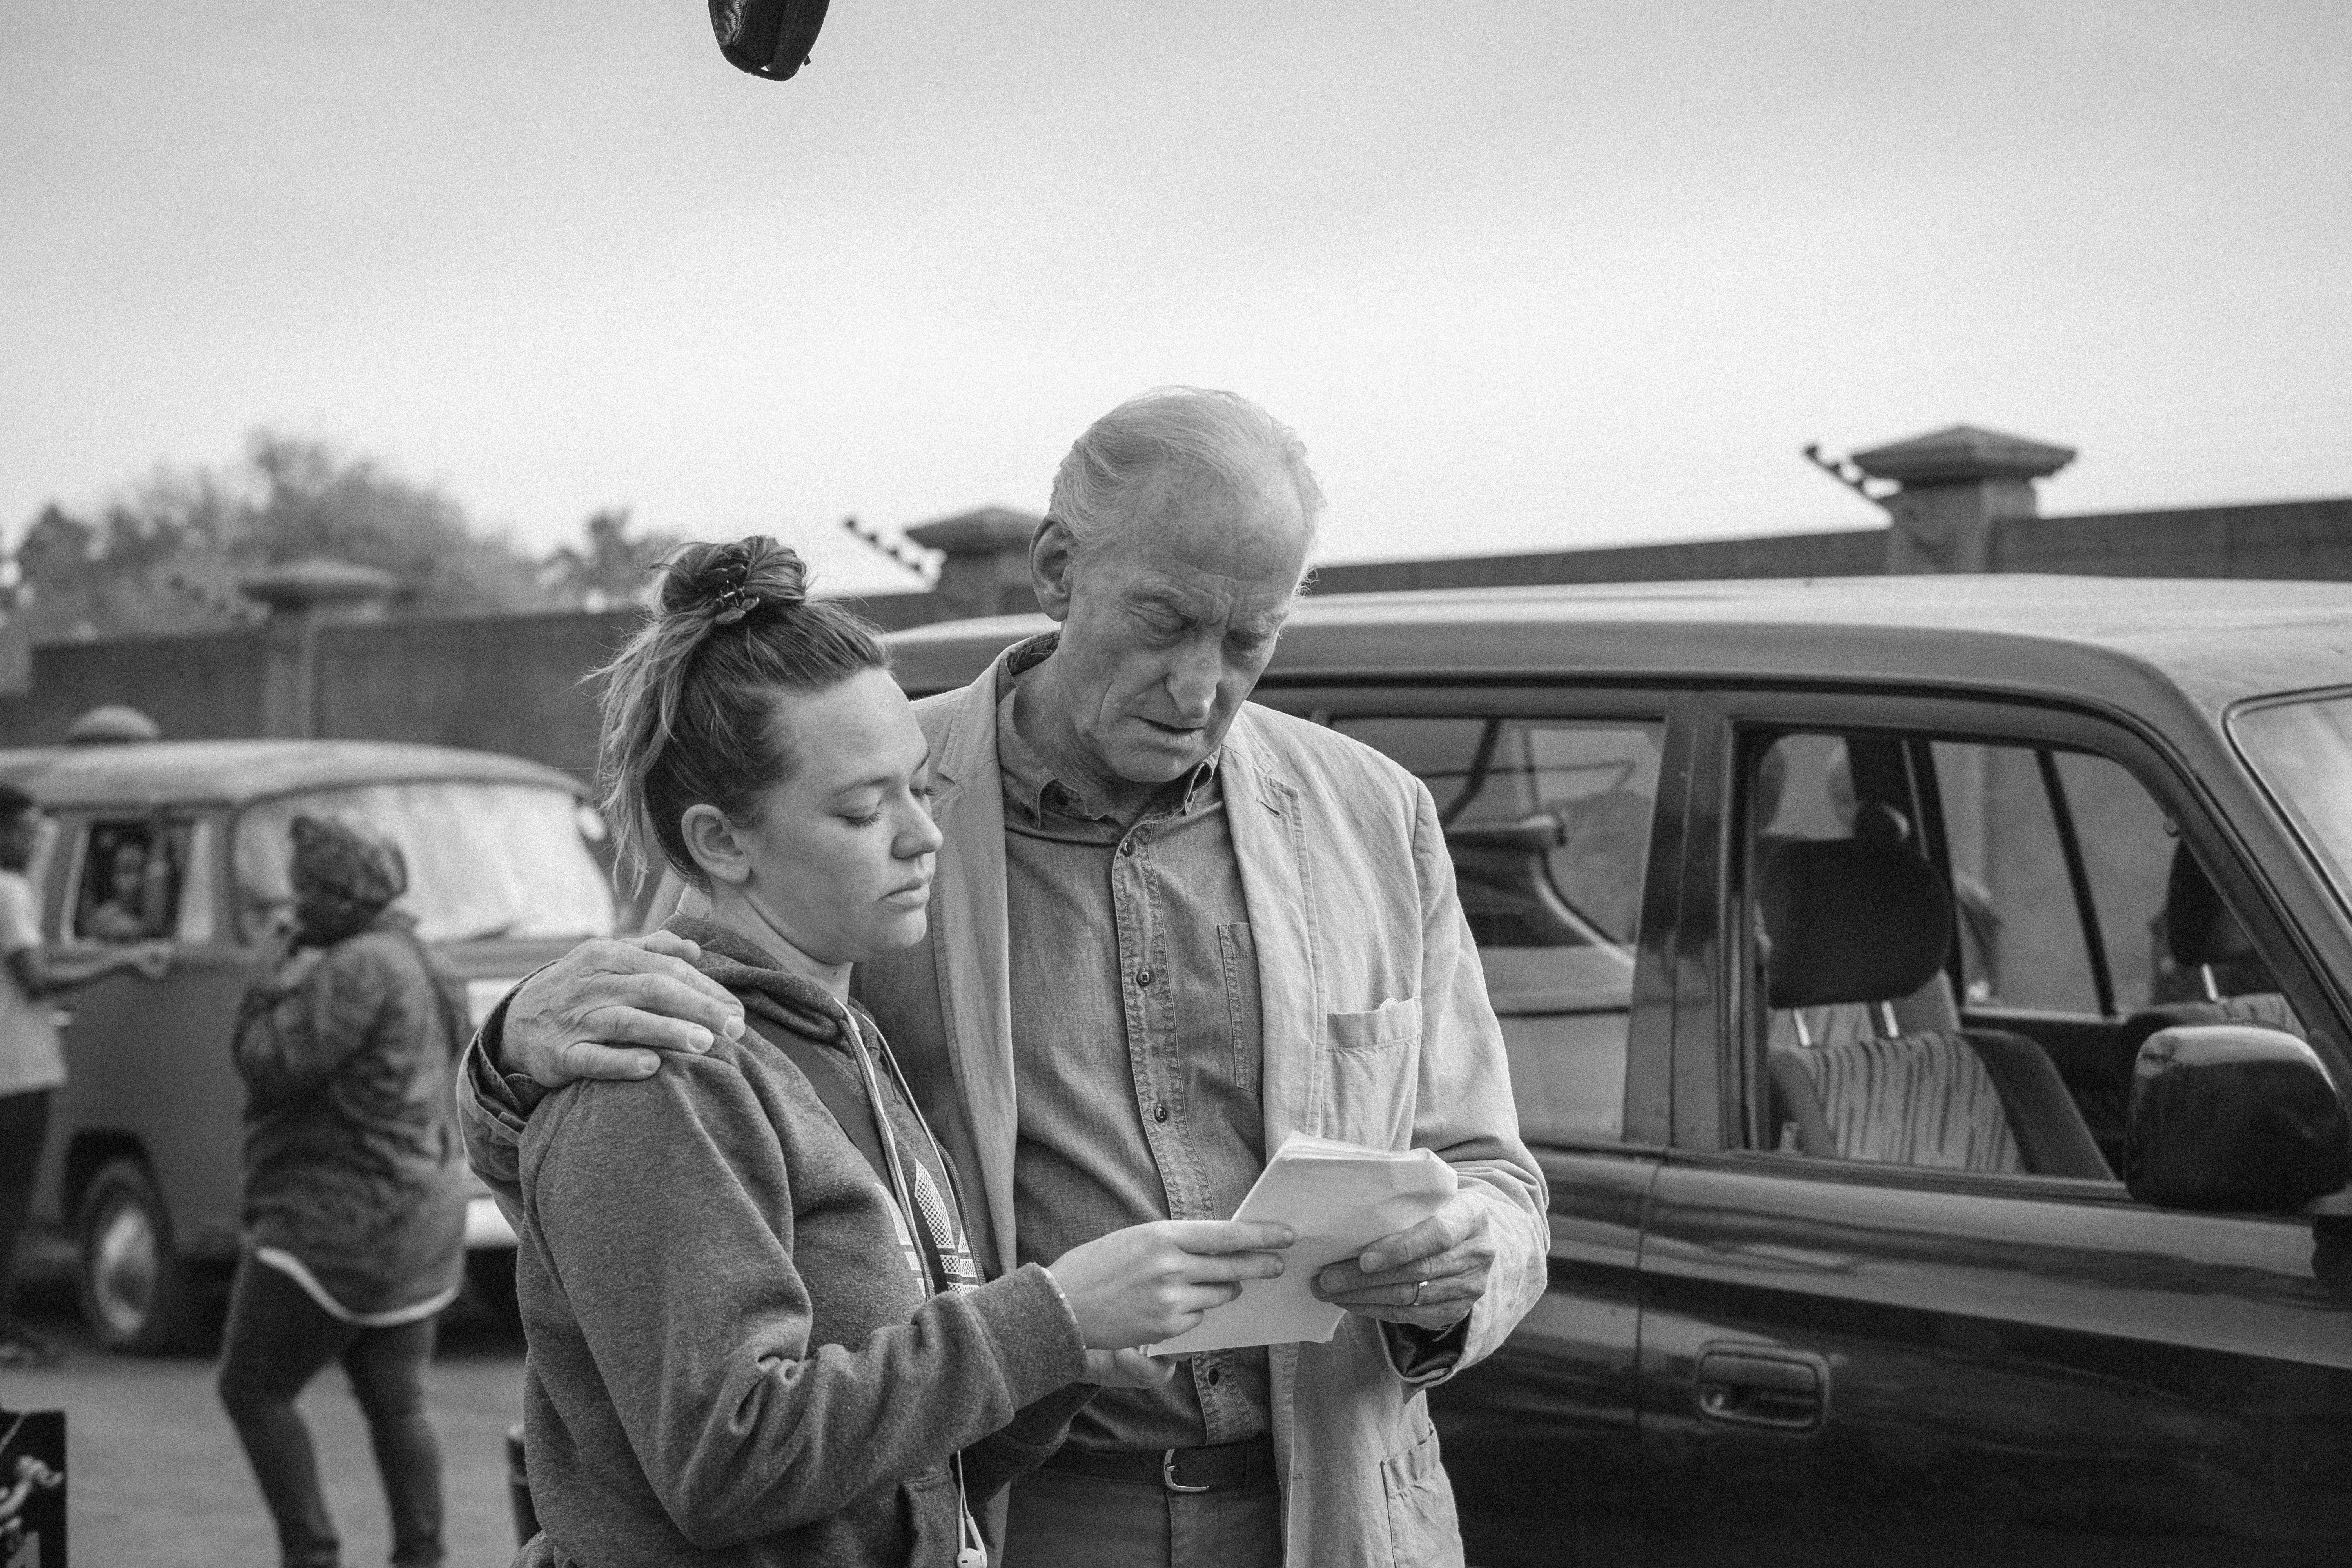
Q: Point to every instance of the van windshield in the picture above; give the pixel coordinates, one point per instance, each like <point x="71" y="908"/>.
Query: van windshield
<point x="2302" y="751"/>
<point x="484" y="859"/>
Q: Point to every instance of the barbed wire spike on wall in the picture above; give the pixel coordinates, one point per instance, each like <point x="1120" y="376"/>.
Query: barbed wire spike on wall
<point x="1842" y="470"/>
<point x="920" y="565"/>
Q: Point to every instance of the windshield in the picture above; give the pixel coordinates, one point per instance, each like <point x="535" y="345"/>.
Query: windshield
<point x="2302" y="751"/>
<point x="484" y="859"/>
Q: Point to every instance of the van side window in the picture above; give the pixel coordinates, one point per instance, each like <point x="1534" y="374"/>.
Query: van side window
<point x="136" y="884"/>
<point x="1548" y="824"/>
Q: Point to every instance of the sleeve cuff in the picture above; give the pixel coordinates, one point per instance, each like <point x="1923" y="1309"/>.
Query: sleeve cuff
<point x="1037" y="1339"/>
<point x="509" y="1096"/>
<point x="1425" y="1356"/>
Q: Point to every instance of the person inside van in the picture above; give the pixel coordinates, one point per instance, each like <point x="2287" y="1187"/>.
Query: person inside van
<point x="32" y="1059"/>
<point x="758" y="1334"/>
<point x="122" y="917"/>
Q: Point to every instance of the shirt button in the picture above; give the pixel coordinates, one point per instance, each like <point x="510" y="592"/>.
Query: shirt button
<point x="1216" y="1375"/>
<point x="1158" y="1113"/>
<point x="1143" y="980"/>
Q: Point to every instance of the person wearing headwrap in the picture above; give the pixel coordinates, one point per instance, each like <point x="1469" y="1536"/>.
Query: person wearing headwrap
<point x="343" y="876"/>
<point x="354" y="1190"/>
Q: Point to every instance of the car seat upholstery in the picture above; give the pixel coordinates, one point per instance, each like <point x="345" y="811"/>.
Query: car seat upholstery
<point x="2203" y="935"/>
<point x="1930" y="1008"/>
<point x="1855" y="920"/>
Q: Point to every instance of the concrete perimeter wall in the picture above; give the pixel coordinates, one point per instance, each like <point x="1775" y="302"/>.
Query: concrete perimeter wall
<point x="2294" y="541"/>
<point x="1850" y="552"/>
<point x="511" y="684"/>
<point x="508" y="683"/>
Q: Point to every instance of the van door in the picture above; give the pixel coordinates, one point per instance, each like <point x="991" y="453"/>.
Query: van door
<point x="1551" y="807"/>
<point x="1880" y="1351"/>
<point x="150" y="1076"/>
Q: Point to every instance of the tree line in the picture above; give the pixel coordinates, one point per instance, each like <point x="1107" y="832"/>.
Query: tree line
<point x="167" y="556"/>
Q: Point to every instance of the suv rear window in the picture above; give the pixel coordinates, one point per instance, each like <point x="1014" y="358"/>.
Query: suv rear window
<point x="484" y="860"/>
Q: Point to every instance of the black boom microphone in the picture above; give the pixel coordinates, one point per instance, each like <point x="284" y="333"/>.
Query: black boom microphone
<point x="767" y="37"/>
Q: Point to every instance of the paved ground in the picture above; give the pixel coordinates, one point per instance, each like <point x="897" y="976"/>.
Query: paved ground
<point x="155" y="1479"/>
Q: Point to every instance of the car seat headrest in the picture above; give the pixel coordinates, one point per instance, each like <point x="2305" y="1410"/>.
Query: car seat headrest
<point x="1849" y="919"/>
<point x="1881" y="822"/>
<point x="2198" y="926"/>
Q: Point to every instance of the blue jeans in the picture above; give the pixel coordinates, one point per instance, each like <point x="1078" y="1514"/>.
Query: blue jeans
<point x="278" y="1341"/>
<point x="1077" y="1522"/>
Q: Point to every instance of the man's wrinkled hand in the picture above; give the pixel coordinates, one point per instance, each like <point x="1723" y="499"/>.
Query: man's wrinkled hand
<point x="581" y="1015"/>
<point x="1429" y="1276"/>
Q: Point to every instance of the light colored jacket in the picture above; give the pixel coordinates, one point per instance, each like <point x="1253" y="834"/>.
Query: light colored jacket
<point x="1378" y="1031"/>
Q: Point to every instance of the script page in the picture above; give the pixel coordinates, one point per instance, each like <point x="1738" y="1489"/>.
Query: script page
<point x="1338" y="1199"/>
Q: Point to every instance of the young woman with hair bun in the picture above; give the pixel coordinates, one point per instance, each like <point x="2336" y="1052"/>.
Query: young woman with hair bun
<point x="757" y="1333"/>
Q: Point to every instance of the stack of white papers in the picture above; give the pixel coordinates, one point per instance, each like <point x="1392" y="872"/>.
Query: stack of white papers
<point x="1338" y="1199"/>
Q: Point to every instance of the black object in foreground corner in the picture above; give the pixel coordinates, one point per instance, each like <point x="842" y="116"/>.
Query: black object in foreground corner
<point x="33" y="1488"/>
<point x="767" y="37"/>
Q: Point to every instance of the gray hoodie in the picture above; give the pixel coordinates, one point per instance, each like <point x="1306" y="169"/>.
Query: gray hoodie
<point x="729" y="1360"/>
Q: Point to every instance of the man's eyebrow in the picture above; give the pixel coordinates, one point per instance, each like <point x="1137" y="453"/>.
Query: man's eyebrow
<point x="1267" y="625"/>
<point x="1168" y="599"/>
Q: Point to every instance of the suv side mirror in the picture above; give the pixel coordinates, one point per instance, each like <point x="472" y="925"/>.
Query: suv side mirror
<point x="2227" y="1116"/>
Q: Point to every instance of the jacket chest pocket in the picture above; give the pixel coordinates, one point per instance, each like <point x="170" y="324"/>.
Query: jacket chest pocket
<point x="1368" y="1077"/>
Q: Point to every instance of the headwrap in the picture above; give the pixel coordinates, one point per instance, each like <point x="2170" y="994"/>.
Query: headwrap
<point x="343" y="876"/>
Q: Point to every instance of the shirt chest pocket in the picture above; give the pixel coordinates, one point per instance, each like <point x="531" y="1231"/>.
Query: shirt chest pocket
<point x="1369" y="1074"/>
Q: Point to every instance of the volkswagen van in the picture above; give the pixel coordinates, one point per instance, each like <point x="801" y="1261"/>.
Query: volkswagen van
<point x="186" y="843"/>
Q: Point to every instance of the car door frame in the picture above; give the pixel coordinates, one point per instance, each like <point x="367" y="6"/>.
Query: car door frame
<point x="1528" y="1427"/>
<point x="1719" y="1143"/>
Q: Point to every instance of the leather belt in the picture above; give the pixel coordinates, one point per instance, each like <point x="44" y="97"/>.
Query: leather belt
<point x="1219" y="1466"/>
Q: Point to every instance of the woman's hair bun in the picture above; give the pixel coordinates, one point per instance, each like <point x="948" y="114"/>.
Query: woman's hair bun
<point x="729" y="582"/>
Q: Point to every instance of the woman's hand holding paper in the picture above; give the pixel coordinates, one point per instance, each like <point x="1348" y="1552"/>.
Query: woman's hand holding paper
<point x="1152" y="1283"/>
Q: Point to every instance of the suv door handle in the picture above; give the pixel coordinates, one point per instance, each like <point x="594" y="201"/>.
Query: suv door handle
<point x="1750" y="1385"/>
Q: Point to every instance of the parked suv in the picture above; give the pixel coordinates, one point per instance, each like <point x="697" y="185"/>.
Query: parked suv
<point x="186" y="842"/>
<point x="1929" y="1001"/>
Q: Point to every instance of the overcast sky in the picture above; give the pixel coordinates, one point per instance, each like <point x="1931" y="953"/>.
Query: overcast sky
<point x="1524" y="276"/>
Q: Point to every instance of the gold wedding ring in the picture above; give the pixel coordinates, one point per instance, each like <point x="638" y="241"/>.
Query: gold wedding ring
<point x="1416" y="1292"/>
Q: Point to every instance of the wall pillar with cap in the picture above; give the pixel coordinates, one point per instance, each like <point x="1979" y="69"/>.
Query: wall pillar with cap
<point x="303" y="598"/>
<point x="984" y="562"/>
<point x="1956" y="490"/>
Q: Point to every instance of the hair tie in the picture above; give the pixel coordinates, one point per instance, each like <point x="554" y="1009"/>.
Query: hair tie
<point x="736" y="600"/>
<point x="733" y="606"/>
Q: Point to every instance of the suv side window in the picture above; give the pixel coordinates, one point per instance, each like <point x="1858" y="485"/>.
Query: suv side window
<point x="1547" y="821"/>
<point x="2021" y="940"/>
<point x="2047" y="881"/>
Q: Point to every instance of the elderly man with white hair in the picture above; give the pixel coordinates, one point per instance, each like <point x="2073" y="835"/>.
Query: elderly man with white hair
<point x="1169" y="927"/>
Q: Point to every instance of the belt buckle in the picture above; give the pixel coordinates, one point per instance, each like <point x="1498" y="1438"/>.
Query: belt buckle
<point x="1168" y="1472"/>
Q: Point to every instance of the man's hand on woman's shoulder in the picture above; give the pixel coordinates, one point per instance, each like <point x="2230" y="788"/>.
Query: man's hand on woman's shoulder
<point x="608" y="1007"/>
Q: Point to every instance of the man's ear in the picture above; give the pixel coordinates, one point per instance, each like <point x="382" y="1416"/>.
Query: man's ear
<point x="716" y="845"/>
<point x="1053" y="560"/>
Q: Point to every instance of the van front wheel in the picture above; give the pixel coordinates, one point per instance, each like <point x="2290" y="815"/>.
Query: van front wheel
<point x="137" y="1296"/>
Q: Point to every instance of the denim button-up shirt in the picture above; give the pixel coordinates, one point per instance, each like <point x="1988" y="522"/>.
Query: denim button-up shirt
<point x="1136" y="1040"/>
